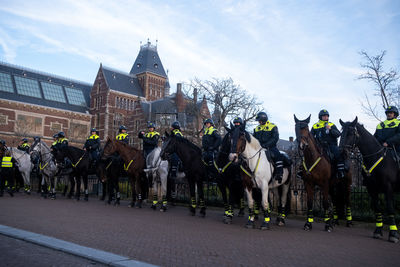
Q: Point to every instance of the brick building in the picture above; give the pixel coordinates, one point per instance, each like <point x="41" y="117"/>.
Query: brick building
<point x="34" y="103"/>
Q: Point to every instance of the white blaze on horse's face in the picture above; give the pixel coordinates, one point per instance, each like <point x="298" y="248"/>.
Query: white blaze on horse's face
<point x="233" y="157"/>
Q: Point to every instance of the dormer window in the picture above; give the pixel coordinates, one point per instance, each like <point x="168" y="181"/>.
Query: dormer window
<point x="156" y="66"/>
<point x="114" y="76"/>
<point x="138" y="65"/>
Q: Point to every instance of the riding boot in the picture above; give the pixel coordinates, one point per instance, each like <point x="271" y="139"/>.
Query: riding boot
<point x="279" y="171"/>
<point x="340" y="170"/>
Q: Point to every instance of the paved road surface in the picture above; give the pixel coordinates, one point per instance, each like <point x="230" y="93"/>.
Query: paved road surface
<point x="174" y="238"/>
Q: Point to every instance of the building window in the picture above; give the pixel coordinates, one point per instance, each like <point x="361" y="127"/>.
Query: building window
<point x="55" y="127"/>
<point x="28" y="125"/>
<point x="6" y="83"/>
<point x="75" y="96"/>
<point x="53" y="92"/>
<point x="3" y="119"/>
<point x="27" y="87"/>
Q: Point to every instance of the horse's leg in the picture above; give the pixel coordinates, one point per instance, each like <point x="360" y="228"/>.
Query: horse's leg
<point x="163" y="187"/>
<point x="78" y="187"/>
<point x="138" y="186"/>
<point x="393" y="234"/>
<point x="222" y="188"/>
<point x="71" y="178"/>
<point x="250" y="200"/>
<point x="325" y="203"/>
<point x="310" y="200"/>
<point x="104" y="186"/>
<point x="283" y="201"/>
<point x="265" y="205"/>
<point x="347" y="184"/>
<point x="200" y="192"/>
<point x="333" y="191"/>
<point x="192" y="189"/>
<point x="116" y="187"/>
<point x="54" y="179"/>
<point x="155" y="191"/>
<point x="85" y="185"/>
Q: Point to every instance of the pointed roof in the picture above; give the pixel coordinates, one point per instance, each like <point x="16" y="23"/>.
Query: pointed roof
<point x="148" y="61"/>
<point x="122" y="82"/>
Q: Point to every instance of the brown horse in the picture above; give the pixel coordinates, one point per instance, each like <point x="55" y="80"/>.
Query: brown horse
<point x="134" y="164"/>
<point x="317" y="171"/>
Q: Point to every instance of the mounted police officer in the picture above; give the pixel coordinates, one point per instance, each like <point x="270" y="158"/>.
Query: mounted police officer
<point x="92" y="146"/>
<point x="210" y="143"/>
<point x="122" y="135"/>
<point x="175" y="131"/>
<point x="53" y="145"/>
<point x="23" y="145"/>
<point x="267" y="134"/>
<point x="237" y="122"/>
<point x="326" y="133"/>
<point x="150" y="139"/>
<point x="62" y="141"/>
<point x="388" y="132"/>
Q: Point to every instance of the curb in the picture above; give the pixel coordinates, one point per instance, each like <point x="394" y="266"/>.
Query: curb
<point x="71" y="248"/>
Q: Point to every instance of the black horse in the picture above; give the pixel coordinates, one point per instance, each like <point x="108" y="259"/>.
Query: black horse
<point x="109" y="172"/>
<point x="228" y="179"/>
<point x="381" y="172"/>
<point x="80" y="164"/>
<point x="193" y="166"/>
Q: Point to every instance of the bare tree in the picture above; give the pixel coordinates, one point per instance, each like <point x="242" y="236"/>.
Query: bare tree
<point x="384" y="84"/>
<point x="227" y="99"/>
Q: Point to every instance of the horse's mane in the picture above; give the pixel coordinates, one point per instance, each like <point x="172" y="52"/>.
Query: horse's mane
<point x="360" y="128"/>
<point x="225" y="144"/>
<point x="188" y="143"/>
<point x="75" y="149"/>
<point x="254" y="143"/>
<point x="45" y="145"/>
<point x="125" y="145"/>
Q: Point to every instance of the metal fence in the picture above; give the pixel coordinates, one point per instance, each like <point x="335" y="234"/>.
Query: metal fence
<point x="361" y="204"/>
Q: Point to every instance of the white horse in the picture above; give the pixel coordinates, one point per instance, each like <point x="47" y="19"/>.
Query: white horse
<point x="47" y="166"/>
<point x="258" y="174"/>
<point x="24" y="166"/>
<point x="157" y="169"/>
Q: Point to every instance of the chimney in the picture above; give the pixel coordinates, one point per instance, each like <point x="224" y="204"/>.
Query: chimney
<point x="178" y="88"/>
<point x="179" y="100"/>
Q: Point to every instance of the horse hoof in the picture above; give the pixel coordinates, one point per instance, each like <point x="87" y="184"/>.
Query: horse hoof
<point x="138" y="205"/>
<point x="335" y="222"/>
<point x="308" y="226"/>
<point x="250" y="225"/>
<point x="281" y="222"/>
<point x="393" y="236"/>
<point x="378" y="233"/>
<point x="153" y="207"/>
<point x="192" y="211"/>
<point x="163" y="208"/>
<point x="203" y="212"/>
<point x="328" y="228"/>
<point x="265" y="226"/>
<point x="227" y="220"/>
<point x="349" y="224"/>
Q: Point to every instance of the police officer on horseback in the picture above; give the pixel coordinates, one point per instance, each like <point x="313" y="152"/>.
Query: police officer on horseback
<point x="62" y="141"/>
<point x="267" y="134"/>
<point x="174" y="160"/>
<point x="122" y="134"/>
<point x="150" y="139"/>
<point x="24" y="146"/>
<point x="326" y="133"/>
<point x="92" y="146"/>
<point x="210" y="143"/>
<point x="388" y="131"/>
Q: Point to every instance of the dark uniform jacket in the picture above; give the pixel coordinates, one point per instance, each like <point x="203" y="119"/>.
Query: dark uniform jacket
<point x="124" y="137"/>
<point x="323" y="135"/>
<point x="211" y="139"/>
<point x="177" y="132"/>
<point x="24" y="147"/>
<point x="267" y="134"/>
<point x="389" y="132"/>
<point x="92" y="142"/>
<point x="61" y="143"/>
<point x="150" y="140"/>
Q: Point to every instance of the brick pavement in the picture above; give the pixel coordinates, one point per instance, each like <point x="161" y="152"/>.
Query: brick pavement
<point x="176" y="239"/>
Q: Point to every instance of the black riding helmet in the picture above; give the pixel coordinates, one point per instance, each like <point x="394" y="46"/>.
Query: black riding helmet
<point x="176" y="125"/>
<point x="55" y="135"/>
<point x="209" y="121"/>
<point x="262" y="116"/>
<point x="392" y="109"/>
<point x="61" y="134"/>
<point x="122" y="127"/>
<point x="36" y="138"/>
<point x="151" y="125"/>
<point x="323" y="112"/>
<point x="238" y="120"/>
<point x="24" y="140"/>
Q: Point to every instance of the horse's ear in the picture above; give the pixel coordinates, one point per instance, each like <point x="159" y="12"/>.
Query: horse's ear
<point x="353" y="123"/>
<point x="341" y="122"/>
<point x="308" y="119"/>
<point x="247" y="135"/>
<point x="296" y="120"/>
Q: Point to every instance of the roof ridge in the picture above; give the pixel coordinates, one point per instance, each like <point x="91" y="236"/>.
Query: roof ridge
<point x="44" y="73"/>
<point x="119" y="71"/>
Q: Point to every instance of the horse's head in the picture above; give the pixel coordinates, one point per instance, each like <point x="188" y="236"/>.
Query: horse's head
<point x="350" y="136"/>
<point x="34" y="151"/>
<point x="59" y="155"/>
<point x="303" y="134"/>
<point x="109" y="148"/>
<point x="239" y="137"/>
<point x="168" y="146"/>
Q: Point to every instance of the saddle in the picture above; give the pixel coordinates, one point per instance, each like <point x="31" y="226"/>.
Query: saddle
<point x="287" y="161"/>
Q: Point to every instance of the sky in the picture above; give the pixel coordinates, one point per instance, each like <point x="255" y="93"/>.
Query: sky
<point x="297" y="57"/>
